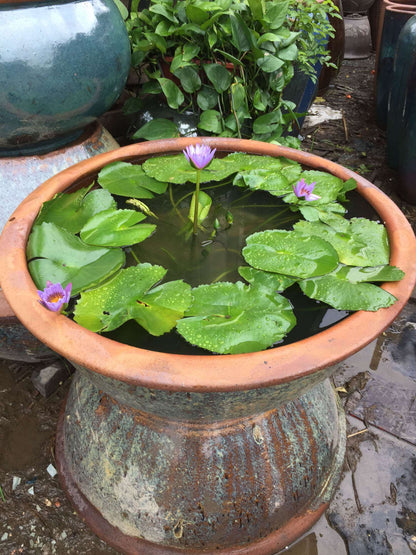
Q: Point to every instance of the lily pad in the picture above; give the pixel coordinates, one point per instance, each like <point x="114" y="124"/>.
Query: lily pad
<point x="129" y="180"/>
<point x="231" y="318"/>
<point x="116" y="228"/>
<point x="275" y="182"/>
<point x="56" y="255"/>
<point x="290" y="253"/>
<point x="362" y="243"/>
<point x="266" y="280"/>
<point x="339" y="292"/>
<point x="177" y="169"/>
<point x="330" y="214"/>
<point x="131" y="295"/>
<point x="72" y="210"/>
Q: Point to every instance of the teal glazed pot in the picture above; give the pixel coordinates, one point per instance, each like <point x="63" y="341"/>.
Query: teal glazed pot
<point x="164" y="453"/>
<point x="401" y="121"/>
<point x="394" y="20"/>
<point x="62" y="64"/>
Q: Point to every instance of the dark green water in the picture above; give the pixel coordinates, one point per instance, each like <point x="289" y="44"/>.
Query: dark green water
<point x="216" y="256"/>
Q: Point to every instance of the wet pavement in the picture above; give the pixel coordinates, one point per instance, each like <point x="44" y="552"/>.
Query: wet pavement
<point x="374" y="509"/>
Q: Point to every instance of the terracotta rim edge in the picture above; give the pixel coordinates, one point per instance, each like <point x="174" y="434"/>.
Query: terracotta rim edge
<point x="189" y="372"/>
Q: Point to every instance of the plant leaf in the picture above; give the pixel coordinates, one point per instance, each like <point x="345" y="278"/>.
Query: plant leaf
<point x="267" y="280"/>
<point x="290" y="253"/>
<point x="116" y="228"/>
<point x="363" y="243"/>
<point x="55" y="254"/>
<point x="204" y="205"/>
<point x="219" y="76"/>
<point x="72" y="210"/>
<point x="342" y="294"/>
<point x="235" y="318"/>
<point x="131" y="295"/>
<point x="129" y="180"/>
<point x="158" y="128"/>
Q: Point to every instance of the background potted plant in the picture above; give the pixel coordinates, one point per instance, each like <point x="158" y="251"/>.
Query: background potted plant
<point x="227" y="453"/>
<point x="229" y="62"/>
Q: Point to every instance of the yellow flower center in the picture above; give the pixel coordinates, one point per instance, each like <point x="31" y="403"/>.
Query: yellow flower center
<point x="55" y="298"/>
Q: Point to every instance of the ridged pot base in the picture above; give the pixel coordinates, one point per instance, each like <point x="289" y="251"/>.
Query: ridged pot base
<point x="151" y="485"/>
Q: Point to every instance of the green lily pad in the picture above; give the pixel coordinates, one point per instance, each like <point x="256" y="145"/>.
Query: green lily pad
<point x="267" y="280"/>
<point x="275" y="182"/>
<point x="72" y="210"/>
<point x="354" y="274"/>
<point x="330" y="214"/>
<point x="341" y="293"/>
<point x="131" y="295"/>
<point x="176" y="169"/>
<point x="204" y="205"/>
<point x="116" y="228"/>
<point x="290" y="253"/>
<point x="231" y="318"/>
<point x="362" y="243"/>
<point x="129" y="180"/>
<point x="56" y="255"/>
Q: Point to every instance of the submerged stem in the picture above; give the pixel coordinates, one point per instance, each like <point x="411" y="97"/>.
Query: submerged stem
<point x="196" y="205"/>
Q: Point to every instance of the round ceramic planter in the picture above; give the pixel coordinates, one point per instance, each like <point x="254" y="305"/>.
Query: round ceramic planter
<point x="62" y="64"/>
<point x="233" y="454"/>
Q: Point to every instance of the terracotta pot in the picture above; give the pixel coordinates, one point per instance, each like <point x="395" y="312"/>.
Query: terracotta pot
<point x="232" y="454"/>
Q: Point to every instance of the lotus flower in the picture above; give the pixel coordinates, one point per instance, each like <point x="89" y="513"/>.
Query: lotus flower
<point x="54" y="296"/>
<point x="302" y="189"/>
<point x="199" y="155"/>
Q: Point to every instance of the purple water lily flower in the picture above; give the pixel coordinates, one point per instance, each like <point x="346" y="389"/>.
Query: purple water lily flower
<point x="302" y="189"/>
<point x="199" y="155"/>
<point x="54" y="296"/>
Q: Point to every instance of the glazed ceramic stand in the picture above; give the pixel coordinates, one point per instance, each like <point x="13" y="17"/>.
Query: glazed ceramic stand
<point x="155" y="472"/>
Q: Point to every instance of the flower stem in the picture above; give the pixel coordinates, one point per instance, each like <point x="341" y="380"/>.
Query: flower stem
<point x="196" y="205"/>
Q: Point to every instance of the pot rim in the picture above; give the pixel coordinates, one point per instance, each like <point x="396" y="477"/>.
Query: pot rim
<point x="199" y="372"/>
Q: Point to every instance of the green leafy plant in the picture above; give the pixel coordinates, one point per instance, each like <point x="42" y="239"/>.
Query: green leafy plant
<point x="332" y="259"/>
<point x="227" y="61"/>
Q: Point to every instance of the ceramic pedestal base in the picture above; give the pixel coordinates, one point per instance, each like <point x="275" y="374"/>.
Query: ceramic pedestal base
<point x="153" y="484"/>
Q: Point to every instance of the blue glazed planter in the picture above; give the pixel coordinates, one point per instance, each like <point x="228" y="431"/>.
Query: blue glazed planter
<point x="62" y="65"/>
<point x="394" y="21"/>
<point x="401" y="123"/>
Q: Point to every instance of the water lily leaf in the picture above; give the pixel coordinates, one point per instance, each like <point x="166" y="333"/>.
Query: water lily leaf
<point x="177" y="169"/>
<point x="267" y="280"/>
<point x="275" y="182"/>
<point x="72" y="210"/>
<point x="231" y="318"/>
<point x="116" y="228"/>
<point x="129" y="180"/>
<point x="354" y="274"/>
<point x="204" y="205"/>
<point x="290" y="253"/>
<point x="131" y="295"/>
<point x="341" y="293"/>
<point x="363" y="243"/>
<point x="59" y="256"/>
<point x="327" y="213"/>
